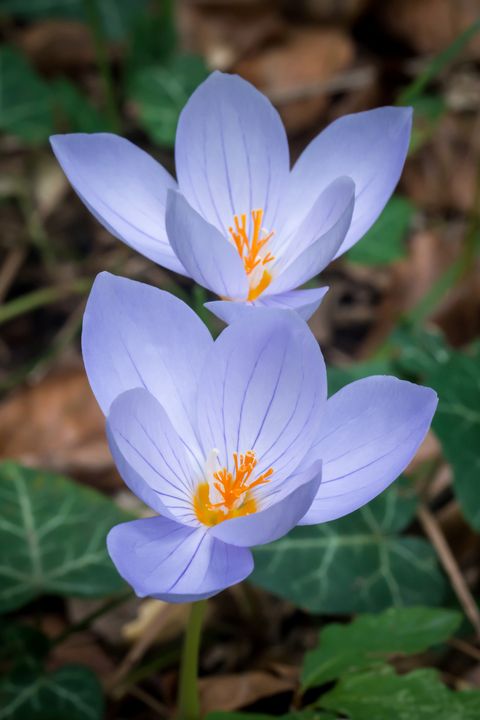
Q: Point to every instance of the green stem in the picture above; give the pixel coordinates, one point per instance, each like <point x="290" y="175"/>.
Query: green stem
<point x="94" y="20"/>
<point x="41" y="298"/>
<point x="188" y="699"/>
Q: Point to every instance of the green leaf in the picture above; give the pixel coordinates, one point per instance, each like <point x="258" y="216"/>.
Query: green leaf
<point x="154" y="37"/>
<point x="385" y="241"/>
<point x="161" y="91"/>
<point x="457" y="424"/>
<point x="22" y="643"/>
<point x="72" y="692"/>
<point x="369" y="638"/>
<point x="381" y="694"/>
<point x="52" y="538"/>
<point x="455" y="376"/>
<point x="419" y="350"/>
<point x="73" y="111"/>
<point x="116" y="16"/>
<point x="356" y="564"/>
<point x="300" y="715"/>
<point x="25" y="109"/>
<point x="338" y="377"/>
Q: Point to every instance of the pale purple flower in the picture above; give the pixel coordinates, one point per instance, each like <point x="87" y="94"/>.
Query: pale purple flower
<point x="239" y="222"/>
<point x="231" y="442"/>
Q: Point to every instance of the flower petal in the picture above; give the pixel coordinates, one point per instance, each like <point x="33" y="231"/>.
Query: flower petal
<point x="137" y="336"/>
<point x="123" y="187"/>
<point x="231" y="152"/>
<point x="284" y="510"/>
<point x="331" y="214"/>
<point x="143" y="439"/>
<point x="370" y="147"/>
<point x="208" y="256"/>
<point x="262" y="388"/>
<point x="304" y="302"/>
<point x="371" y="430"/>
<point x="168" y="561"/>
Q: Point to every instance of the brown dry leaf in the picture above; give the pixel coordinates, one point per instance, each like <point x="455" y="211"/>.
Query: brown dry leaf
<point x="84" y="649"/>
<point x="108" y="626"/>
<point x="57" y="45"/>
<point x="334" y="11"/>
<point x="441" y="175"/>
<point x="232" y="692"/>
<point x="227" y="31"/>
<point x="56" y="424"/>
<point x="429" y="26"/>
<point x="430" y="254"/>
<point x="294" y="73"/>
<point x="175" y="619"/>
<point x="50" y="185"/>
<point x="459" y="313"/>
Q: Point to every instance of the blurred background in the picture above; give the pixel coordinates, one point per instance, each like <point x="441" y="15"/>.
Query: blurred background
<point x="405" y="300"/>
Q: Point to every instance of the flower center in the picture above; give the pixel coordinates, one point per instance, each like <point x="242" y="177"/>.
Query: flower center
<point x="252" y="251"/>
<point x="229" y="494"/>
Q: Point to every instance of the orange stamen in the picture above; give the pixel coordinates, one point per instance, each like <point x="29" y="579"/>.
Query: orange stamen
<point x="235" y="491"/>
<point x="249" y="250"/>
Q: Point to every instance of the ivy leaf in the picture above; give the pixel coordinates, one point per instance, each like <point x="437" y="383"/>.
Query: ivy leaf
<point x="72" y="692"/>
<point x="385" y="241"/>
<point x="369" y="638"/>
<point x="52" y="538"/>
<point x="22" y="644"/>
<point x="356" y="564"/>
<point x="161" y="91"/>
<point x="381" y="694"/>
<point x="456" y="378"/>
<point x="457" y="424"/>
<point x="24" y="99"/>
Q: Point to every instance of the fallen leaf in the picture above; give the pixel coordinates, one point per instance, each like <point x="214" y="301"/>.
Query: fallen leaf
<point x="56" y="423"/>
<point x="427" y="177"/>
<point x="228" y="31"/>
<point x="174" y="621"/>
<point x="231" y="692"/>
<point x="333" y="11"/>
<point x="294" y="73"/>
<point x="57" y="45"/>
<point x="429" y="26"/>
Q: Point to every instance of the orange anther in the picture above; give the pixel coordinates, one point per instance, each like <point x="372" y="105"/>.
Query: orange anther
<point x="234" y="488"/>
<point x="249" y="249"/>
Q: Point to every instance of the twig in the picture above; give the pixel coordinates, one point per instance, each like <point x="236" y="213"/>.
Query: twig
<point x="9" y="269"/>
<point x="350" y="80"/>
<point x="141" y="646"/>
<point x="149" y="701"/>
<point x="466" y="648"/>
<point x="450" y="565"/>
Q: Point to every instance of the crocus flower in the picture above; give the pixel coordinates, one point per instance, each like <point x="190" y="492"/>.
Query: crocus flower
<point x="238" y="221"/>
<point x="232" y="443"/>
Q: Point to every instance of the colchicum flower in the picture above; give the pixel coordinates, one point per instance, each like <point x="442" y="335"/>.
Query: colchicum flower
<point x="231" y="442"/>
<point x="239" y="222"/>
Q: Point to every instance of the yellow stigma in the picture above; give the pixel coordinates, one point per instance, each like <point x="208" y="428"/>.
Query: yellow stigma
<point x="233" y="491"/>
<point x="249" y="250"/>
